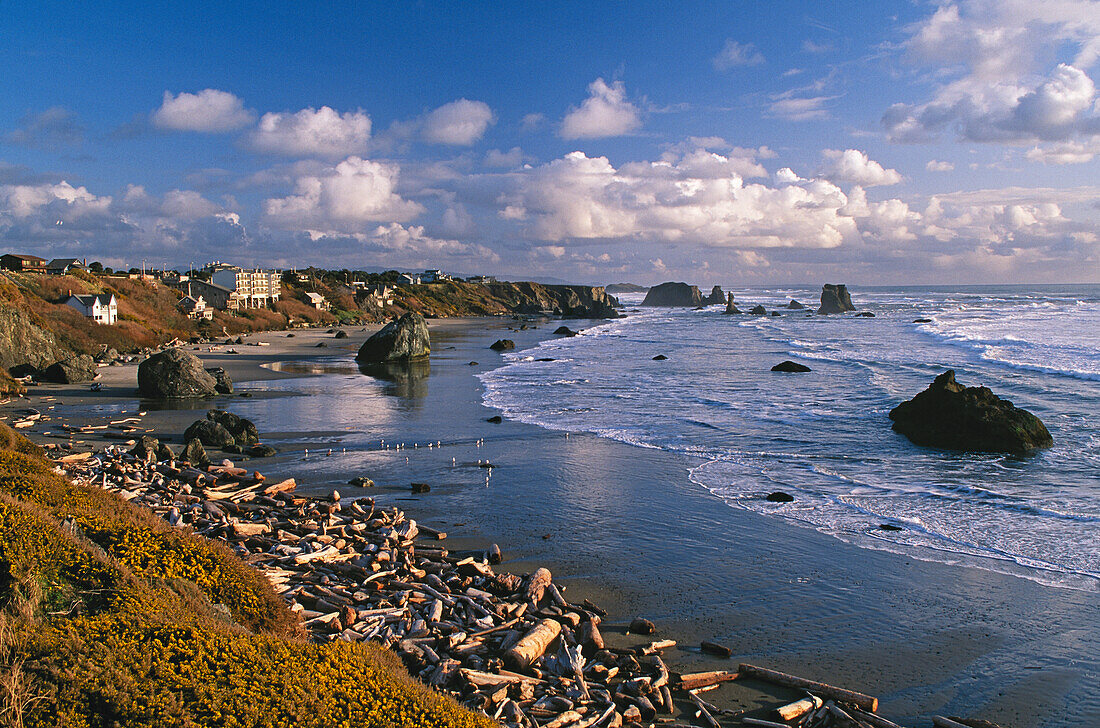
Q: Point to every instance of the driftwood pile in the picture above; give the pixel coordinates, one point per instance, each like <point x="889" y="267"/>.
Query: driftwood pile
<point x="512" y="647"/>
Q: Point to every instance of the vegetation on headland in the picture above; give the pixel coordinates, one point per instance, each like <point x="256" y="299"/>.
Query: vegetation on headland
<point x="110" y="617"/>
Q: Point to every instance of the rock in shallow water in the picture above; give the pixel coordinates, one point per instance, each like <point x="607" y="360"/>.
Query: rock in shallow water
<point x="948" y="415"/>
<point x="400" y="340"/>
<point x="174" y="374"/>
<point x="503" y="345"/>
<point x="779" y="497"/>
<point x="835" y="299"/>
<point x="790" y="366"/>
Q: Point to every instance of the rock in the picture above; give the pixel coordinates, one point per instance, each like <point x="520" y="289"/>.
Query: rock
<point x="107" y="356"/>
<point x="361" y="482"/>
<point x="174" y="373"/>
<point x="948" y="415"/>
<point x="716" y="297"/>
<point x="321" y="345"/>
<point x="835" y="299"/>
<point x="194" y="453"/>
<point x="790" y="366"/>
<point x="471" y="364"/>
<point x="223" y="383"/>
<point x="244" y="431"/>
<point x="673" y="294"/>
<point x="401" y="340"/>
<point x="776" y="313"/>
<point x="660" y="357"/>
<point x="70" y="371"/>
<point x="758" y="311"/>
<point x="209" y="433"/>
<point x="341" y="335"/>
<point x="731" y="307"/>
<point x="565" y="331"/>
<point x="233" y="449"/>
<point x="922" y="321"/>
<point x="779" y="497"/>
<point x="546" y="358"/>
<point x="291" y="336"/>
<point x="24" y="342"/>
<point x="865" y="314"/>
<point x="640" y="625"/>
<point x="164" y="453"/>
<point x="261" y="451"/>
<point x="495" y="419"/>
<point x="888" y="527"/>
<point x="146" y="449"/>
<point x="503" y="345"/>
<point x="795" y="305"/>
<point x="419" y="487"/>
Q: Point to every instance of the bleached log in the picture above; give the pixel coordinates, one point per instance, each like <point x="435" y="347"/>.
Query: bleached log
<point x="533" y="644"/>
<point x="866" y="702"/>
<point x="799" y="708"/>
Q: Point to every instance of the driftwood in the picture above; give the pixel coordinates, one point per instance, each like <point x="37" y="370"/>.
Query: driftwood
<point x="865" y="702"/>
<point x="696" y="680"/>
<point x="799" y="708"/>
<point x="534" y="643"/>
<point x="941" y="722"/>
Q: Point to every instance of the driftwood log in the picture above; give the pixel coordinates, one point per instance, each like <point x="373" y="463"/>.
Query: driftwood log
<point x="863" y="701"/>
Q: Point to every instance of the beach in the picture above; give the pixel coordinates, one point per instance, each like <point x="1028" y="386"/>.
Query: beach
<point x="625" y="526"/>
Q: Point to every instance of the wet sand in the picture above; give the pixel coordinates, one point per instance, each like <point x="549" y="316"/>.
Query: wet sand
<point x="624" y="526"/>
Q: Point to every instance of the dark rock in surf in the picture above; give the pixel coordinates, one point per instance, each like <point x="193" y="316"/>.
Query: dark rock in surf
<point x="716" y="297"/>
<point x="758" y="311"/>
<point x="795" y="305"/>
<point x="495" y="419"/>
<point x="673" y="294"/>
<point x="835" y="299"/>
<point x="779" y="497"/>
<point x="948" y="415"/>
<point x="503" y="345"/>
<point x="790" y="366"/>
<point x="565" y="331"/>
<point x="660" y="357"/>
<point x="731" y="307"/>
<point x="922" y="321"/>
<point x="402" y="340"/>
<point x="865" y="314"/>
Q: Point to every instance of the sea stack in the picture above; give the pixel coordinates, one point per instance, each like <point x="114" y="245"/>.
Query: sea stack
<point x="716" y="297"/>
<point x="951" y="416"/>
<point x="172" y="374"/>
<point x="731" y="307"/>
<point x="835" y="299"/>
<point x="673" y="294"/>
<point x="402" y="340"/>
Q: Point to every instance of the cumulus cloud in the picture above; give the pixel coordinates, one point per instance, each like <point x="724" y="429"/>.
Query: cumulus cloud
<point x="605" y="113"/>
<point x="1065" y="152"/>
<point x="55" y="128"/>
<point x="496" y="158"/>
<point x="342" y="199"/>
<point x="210" y="111"/>
<point x="935" y="165"/>
<point x="995" y="86"/>
<point x="322" y="132"/>
<point x="458" y="123"/>
<point x="854" y="166"/>
<point x="735" y="54"/>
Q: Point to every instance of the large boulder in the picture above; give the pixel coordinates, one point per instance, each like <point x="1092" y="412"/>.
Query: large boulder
<point x="503" y="345"/>
<point x="949" y="415"/>
<point x="795" y="305"/>
<point x="790" y="367"/>
<point x="673" y="294"/>
<point x="174" y="373"/>
<point x="758" y="310"/>
<point x="716" y="297"/>
<point x="70" y="371"/>
<point x="401" y="340"/>
<point x="209" y="433"/>
<point x="835" y="299"/>
<point x="731" y="307"/>
<point x="244" y="431"/>
<point x="223" y="383"/>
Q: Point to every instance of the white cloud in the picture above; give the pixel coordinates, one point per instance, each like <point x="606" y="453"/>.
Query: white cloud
<point x="605" y="113"/>
<point x="808" y="46"/>
<point x="210" y="111"/>
<point x="935" y="165"/>
<point x="496" y="158"/>
<point x="735" y="54"/>
<point x="799" y="108"/>
<point x="1065" y="152"/>
<point x="342" y="199"/>
<point x="531" y="122"/>
<point x="458" y="123"/>
<point x="852" y="165"/>
<point x="322" y="132"/>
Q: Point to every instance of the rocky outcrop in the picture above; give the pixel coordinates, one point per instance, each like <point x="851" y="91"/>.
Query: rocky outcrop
<point x="731" y="307"/>
<point x="795" y="305"/>
<point x="758" y="311"/>
<point x="222" y="429"/>
<point x="209" y="433"/>
<point x="503" y="345"/>
<point x="716" y="297"/>
<point x="948" y="415"/>
<point x="173" y="374"/>
<point x="23" y="342"/>
<point x="790" y="367"/>
<point x="835" y="299"/>
<point x="569" y="301"/>
<point x="565" y="331"/>
<point x="70" y="371"/>
<point x="223" y="383"/>
<point x="401" y="340"/>
<point x="673" y="294"/>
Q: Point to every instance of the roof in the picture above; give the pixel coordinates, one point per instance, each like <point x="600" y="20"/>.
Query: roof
<point x="64" y="263"/>
<point x="190" y="302"/>
<point x="89" y="299"/>
<point x="28" y="258"/>
<point x="315" y="296"/>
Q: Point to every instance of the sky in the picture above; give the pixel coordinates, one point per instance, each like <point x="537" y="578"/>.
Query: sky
<point x="741" y="143"/>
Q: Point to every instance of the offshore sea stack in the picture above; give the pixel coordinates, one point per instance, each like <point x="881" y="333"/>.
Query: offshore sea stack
<point x="835" y="299"/>
<point x="673" y="294"/>
<point x="731" y="307"/>
<point x="402" y="340"/>
<point x="951" y="416"/>
<point x="174" y="374"/>
<point x="716" y="297"/>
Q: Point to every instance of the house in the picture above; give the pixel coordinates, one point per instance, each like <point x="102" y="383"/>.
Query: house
<point x="409" y="279"/>
<point x="23" y="263"/>
<point x="434" y="276"/>
<point x="481" y="279"/>
<point x="100" y="307"/>
<point x="378" y="294"/>
<point x="215" y="296"/>
<point x="249" y="288"/>
<point x="61" y="266"/>
<point x="317" y="301"/>
<point x="195" y="308"/>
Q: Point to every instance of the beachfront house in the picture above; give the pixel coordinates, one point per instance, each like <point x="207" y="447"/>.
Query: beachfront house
<point x="434" y="275"/>
<point x="22" y="263"/>
<point x="317" y="301"/>
<point x="481" y="279"/>
<point x="195" y="307"/>
<point x="409" y="279"/>
<point x="248" y="288"/>
<point x="62" y="266"/>
<point x="100" y="307"/>
<point x="216" y="297"/>
<point x="377" y="294"/>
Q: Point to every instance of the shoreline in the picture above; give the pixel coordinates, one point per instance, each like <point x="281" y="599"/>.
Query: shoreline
<point x="606" y="585"/>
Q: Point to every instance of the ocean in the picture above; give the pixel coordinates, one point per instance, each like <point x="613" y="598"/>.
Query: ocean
<point x="825" y="437"/>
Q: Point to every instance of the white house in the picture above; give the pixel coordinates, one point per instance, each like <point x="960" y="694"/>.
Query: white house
<point x="409" y="279"/>
<point x="100" y="307"/>
<point x="317" y="301"/>
<point x="378" y="294"/>
<point x="195" y="307"/>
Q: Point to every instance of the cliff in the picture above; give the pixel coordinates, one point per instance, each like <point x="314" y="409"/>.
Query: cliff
<point x="673" y="294"/>
<point x="455" y="298"/>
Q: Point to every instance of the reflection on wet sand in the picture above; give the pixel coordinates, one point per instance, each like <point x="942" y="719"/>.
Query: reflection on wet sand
<point x="407" y="380"/>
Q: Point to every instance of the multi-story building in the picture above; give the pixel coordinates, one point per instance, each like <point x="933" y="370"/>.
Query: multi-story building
<point x="23" y="263"/>
<point x="100" y="307"/>
<point x="248" y="288"/>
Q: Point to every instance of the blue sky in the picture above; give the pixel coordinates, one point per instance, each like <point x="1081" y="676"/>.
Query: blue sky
<point x="741" y="143"/>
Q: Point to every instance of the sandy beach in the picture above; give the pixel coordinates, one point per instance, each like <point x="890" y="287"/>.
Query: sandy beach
<point x="623" y="526"/>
